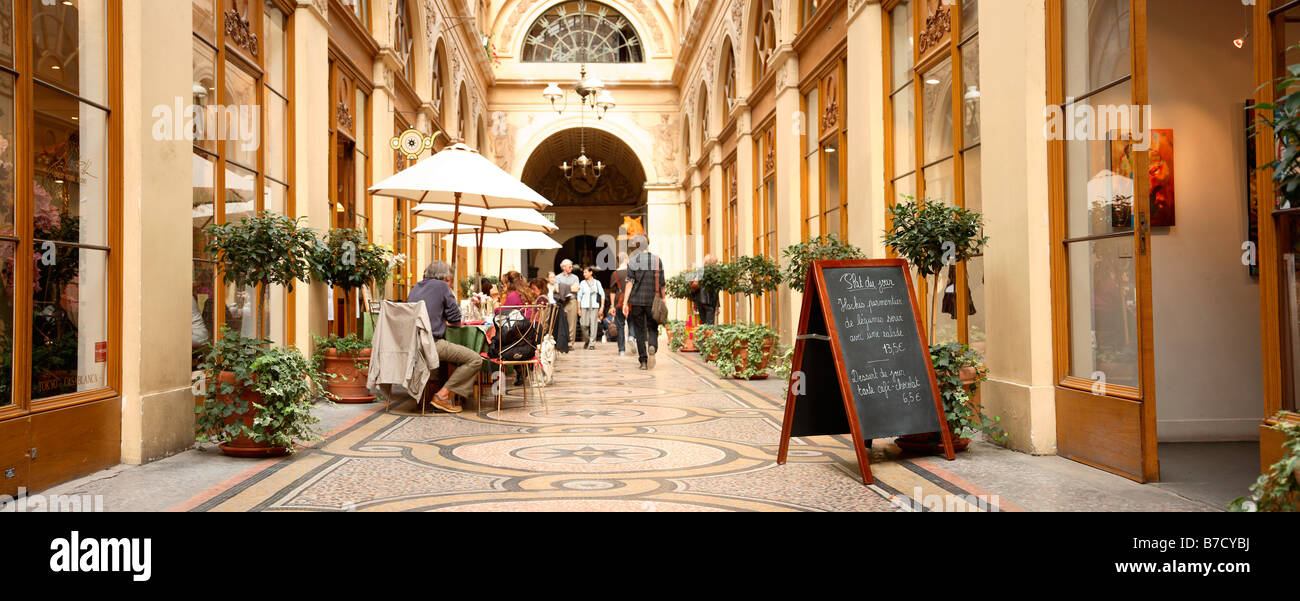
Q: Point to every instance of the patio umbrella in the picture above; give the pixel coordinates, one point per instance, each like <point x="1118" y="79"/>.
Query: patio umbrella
<point x="487" y="220"/>
<point x="515" y="240"/>
<point x="460" y="176"/>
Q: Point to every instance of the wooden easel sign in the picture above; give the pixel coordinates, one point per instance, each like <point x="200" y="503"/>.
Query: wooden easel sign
<point x="861" y="362"/>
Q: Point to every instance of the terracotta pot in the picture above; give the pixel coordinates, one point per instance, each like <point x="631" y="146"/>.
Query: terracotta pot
<point x="689" y="346"/>
<point x="741" y="354"/>
<point x="350" y="385"/>
<point x="713" y="354"/>
<point x="245" y="446"/>
<point x="925" y="444"/>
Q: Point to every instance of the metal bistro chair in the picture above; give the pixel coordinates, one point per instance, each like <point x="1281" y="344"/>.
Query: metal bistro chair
<point x="531" y="340"/>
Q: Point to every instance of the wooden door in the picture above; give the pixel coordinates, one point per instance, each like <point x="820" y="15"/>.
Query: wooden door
<point x="1101" y="263"/>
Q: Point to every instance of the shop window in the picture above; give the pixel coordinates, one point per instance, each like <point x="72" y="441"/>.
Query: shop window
<point x="935" y="156"/>
<point x="241" y="157"/>
<point x="55" y="265"/>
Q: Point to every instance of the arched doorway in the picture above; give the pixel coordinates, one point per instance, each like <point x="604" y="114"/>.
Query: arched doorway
<point x="588" y="210"/>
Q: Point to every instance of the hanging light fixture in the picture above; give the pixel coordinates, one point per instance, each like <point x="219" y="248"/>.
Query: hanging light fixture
<point x="593" y="95"/>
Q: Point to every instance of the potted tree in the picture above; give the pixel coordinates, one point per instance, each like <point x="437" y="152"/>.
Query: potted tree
<point x="799" y="257"/>
<point x="959" y="369"/>
<point x="346" y="259"/>
<point x="932" y="235"/>
<point x="257" y="398"/>
<point x="753" y="276"/>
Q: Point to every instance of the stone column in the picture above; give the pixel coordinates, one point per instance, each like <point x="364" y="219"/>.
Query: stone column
<point x="789" y="192"/>
<point x="1018" y="299"/>
<point x="865" y="114"/>
<point x="157" y="403"/>
<point x="311" y="120"/>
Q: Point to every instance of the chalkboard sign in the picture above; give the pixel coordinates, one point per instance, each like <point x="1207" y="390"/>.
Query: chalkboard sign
<point x="861" y="362"/>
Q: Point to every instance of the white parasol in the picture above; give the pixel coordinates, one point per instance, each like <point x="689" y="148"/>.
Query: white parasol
<point x="460" y="176"/>
<point x="515" y="240"/>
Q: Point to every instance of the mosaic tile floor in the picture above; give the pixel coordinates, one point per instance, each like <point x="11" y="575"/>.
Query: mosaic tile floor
<point x="614" y="438"/>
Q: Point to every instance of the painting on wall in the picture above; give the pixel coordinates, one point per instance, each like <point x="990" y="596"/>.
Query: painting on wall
<point x="1160" y="176"/>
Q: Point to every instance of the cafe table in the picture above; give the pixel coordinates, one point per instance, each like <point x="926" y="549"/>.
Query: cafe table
<point x="472" y="337"/>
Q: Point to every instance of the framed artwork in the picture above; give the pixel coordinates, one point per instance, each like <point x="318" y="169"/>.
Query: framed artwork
<point x="1160" y="177"/>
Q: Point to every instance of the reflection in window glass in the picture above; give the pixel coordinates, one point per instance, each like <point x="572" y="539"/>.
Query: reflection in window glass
<point x="205" y="20"/>
<point x="937" y="104"/>
<point x="831" y="193"/>
<point x="975" y="265"/>
<point x="7" y="41"/>
<point x="8" y="153"/>
<point x="970" y="18"/>
<point x="901" y="44"/>
<point x="1103" y="311"/>
<point x="970" y="77"/>
<point x="7" y="265"/>
<point x="241" y="117"/>
<point x="275" y="47"/>
<point x="1096" y="44"/>
<point x="904" y="131"/>
<point x="69" y="320"/>
<point x="71" y="151"/>
<point x="69" y="46"/>
<point x="1099" y="176"/>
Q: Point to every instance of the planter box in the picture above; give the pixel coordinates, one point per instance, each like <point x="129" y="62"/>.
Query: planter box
<point x="349" y="383"/>
<point x="1270" y="440"/>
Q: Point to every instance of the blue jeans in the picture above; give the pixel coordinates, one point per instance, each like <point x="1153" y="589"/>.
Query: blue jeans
<point x="621" y="322"/>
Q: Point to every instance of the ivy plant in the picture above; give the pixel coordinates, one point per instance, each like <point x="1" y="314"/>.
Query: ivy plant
<point x="757" y="340"/>
<point x="346" y="346"/>
<point x="288" y="383"/>
<point x="964" y="419"/>
<point x="799" y="257"/>
<point x="677" y="329"/>
<point x="1279" y="489"/>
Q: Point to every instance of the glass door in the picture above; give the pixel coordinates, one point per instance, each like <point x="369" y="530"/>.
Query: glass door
<point x="1105" y="394"/>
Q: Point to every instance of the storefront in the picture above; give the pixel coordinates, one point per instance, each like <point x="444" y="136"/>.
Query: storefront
<point x="60" y="198"/>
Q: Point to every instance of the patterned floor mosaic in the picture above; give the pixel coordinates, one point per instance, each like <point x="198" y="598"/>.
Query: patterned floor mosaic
<point x="611" y="438"/>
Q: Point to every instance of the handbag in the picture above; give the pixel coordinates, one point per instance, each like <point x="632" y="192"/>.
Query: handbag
<point x="659" y="310"/>
<point x="611" y="328"/>
<point x="514" y="340"/>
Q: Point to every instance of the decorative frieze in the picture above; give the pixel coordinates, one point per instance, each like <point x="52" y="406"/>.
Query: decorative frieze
<point x="937" y="26"/>
<point x="239" y="31"/>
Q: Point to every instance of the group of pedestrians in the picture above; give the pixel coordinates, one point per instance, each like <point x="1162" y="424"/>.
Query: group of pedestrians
<point x="627" y="306"/>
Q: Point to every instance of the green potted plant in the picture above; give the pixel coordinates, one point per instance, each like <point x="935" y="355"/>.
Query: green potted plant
<point x="257" y="398"/>
<point x="679" y="286"/>
<point x="1279" y="489"/>
<point x="345" y="361"/>
<point x="932" y="235"/>
<point x="753" y="276"/>
<point x="744" y="351"/>
<point x="704" y="340"/>
<point x="799" y="257"/>
<point x="256" y="406"/>
<point x="346" y="259"/>
<point x="958" y="370"/>
<point x="676" y="334"/>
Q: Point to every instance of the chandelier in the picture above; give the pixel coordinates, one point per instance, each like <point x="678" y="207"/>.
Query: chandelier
<point x="591" y="95"/>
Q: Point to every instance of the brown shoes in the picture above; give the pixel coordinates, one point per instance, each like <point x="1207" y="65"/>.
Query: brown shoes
<point x="445" y="404"/>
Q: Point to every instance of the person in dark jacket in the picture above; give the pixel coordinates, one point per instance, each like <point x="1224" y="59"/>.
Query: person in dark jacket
<point x="440" y="302"/>
<point x="645" y="281"/>
<point x="706" y="301"/>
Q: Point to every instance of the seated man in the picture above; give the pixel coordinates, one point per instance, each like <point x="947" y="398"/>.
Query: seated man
<point x="435" y="291"/>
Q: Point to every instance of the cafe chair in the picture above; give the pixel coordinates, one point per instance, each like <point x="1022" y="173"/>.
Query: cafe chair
<point x="520" y="330"/>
